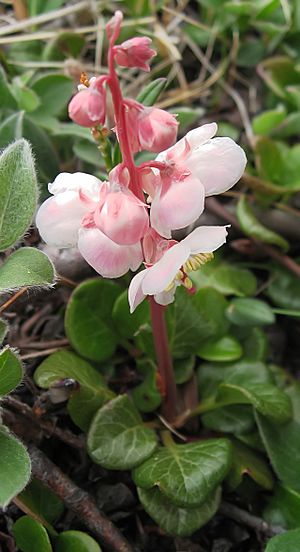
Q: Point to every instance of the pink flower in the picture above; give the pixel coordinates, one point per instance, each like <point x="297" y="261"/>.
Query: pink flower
<point x="135" y="52"/>
<point x="152" y="129"/>
<point x="67" y="219"/>
<point x="195" y="167"/>
<point x="114" y="25"/>
<point x="121" y="215"/>
<point x="88" y="107"/>
<point x="171" y="271"/>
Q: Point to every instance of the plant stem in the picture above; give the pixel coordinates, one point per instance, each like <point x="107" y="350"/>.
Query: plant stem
<point x="164" y="361"/>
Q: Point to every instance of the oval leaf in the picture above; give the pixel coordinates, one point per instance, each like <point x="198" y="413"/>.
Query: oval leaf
<point x="24" y="268"/>
<point x="288" y="542"/>
<point x="224" y="349"/>
<point x="151" y="92"/>
<point x="118" y="439"/>
<point x="88" y="319"/>
<point x="14" y="467"/>
<point x="11" y="372"/>
<point x="71" y="541"/>
<point x="31" y="536"/>
<point x="250" y="312"/>
<point x="177" y="521"/>
<point x="18" y="181"/>
<point x="186" y="474"/>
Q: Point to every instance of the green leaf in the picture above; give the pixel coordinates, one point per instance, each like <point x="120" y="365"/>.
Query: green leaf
<point x="41" y="502"/>
<point x="63" y="45"/>
<point x="118" y="439"/>
<point x="282" y="443"/>
<point x="177" y="521"/>
<point x="269" y="120"/>
<point x="288" y="127"/>
<point x="247" y="462"/>
<point x="88" y="322"/>
<point x="250" y="312"/>
<point x="186" y="474"/>
<point x="18" y="181"/>
<point x="266" y="398"/>
<point x="20" y="125"/>
<point x="226" y="278"/>
<point x="151" y="92"/>
<point x="288" y="542"/>
<point x="146" y="396"/>
<point x="255" y="345"/>
<point x="88" y="152"/>
<point x="253" y="228"/>
<point x="222" y="350"/>
<point x="76" y="541"/>
<point x="54" y="91"/>
<point x="128" y="324"/>
<point x="26" y="97"/>
<point x="31" y="536"/>
<point x="236" y="419"/>
<point x="184" y="369"/>
<point x="7" y="99"/>
<point x="284" y="288"/>
<point x="187" y="117"/>
<point x="90" y="396"/>
<point x="14" y="467"/>
<point x="283" y="509"/>
<point x="3" y="330"/>
<point x="11" y="372"/>
<point x="26" y="267"/>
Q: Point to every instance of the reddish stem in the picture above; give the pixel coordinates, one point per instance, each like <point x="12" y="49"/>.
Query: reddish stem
<point x="165" y="366"/>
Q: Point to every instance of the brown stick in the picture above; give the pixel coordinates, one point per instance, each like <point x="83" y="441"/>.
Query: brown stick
<point x="77" y="500"/>
<point x="12" y="299"/>
<point x="244" y="517"/>
<point x="220" y="211"/>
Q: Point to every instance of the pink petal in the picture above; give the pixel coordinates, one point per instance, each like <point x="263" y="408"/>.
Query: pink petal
<point x="205" y="239"/>
<point x="194" y="138"/>
<point x="105" y="256"/>
<point x="219" y="164"/>
<point x="58" y="219"/>
<point x="181" y="204"/>
<point x="160" y="275"/>
<point x="75" y="181"/>
<point x="135" y="292"/>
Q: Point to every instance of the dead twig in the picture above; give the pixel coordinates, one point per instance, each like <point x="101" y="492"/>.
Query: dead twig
<point x="244" y="517"/>
<point x="12" y="299"/>
<point x="77" y="500"/>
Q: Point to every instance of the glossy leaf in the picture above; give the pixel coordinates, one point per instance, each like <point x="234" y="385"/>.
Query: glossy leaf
<point x="269" y="120"/>
<point x="26" y="267"/>
<point x="288" y="542"/>
<point x="253" y="228"/>
<point x="41" y="502"/>
<point x="222" y="350"/>
<point x="284" y="289"/>
<point x="283" y="509"/>
<point x="128" y="324"/>
<point x="247" y="462"/>
<point x="90" y="396"/>
<point x="237" y="419"/>
<point x="265" y="398"/>
<point x="88" y="322"/>
<point x="226" y="278"/>
<point x="175" y="520"/>
<point x="18" y="180"/>
<point x="186" y="474"/>
<point x="250" y="312"/>
<point x="31" y="536"/>
<point x="76" y="541"/>
<point x="118" y="438"/>
<point x="11" y="372"/>
<point x="282" y="443"/>
<point x="183" y="369"/>
<point x="146" y="396"/>
<point x="54" y="91"/>
<point x="14" y="467"/>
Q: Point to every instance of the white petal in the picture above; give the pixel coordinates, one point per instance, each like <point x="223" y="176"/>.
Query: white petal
<point x="178" y="207"/>
<point x="74" y="182"/>
<point x="58" y="219"/>
<point x="205" y="239"/>
<point x="105" y="256"/>
<point x="195" y="138"/>
<point x="160" y="275"/>
<point x="135" y="292"/>
<point x="219" y="164"/>
<point x="165" y="297"/>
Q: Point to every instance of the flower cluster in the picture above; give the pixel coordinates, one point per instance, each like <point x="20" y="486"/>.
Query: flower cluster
<point x="129" y="219"/>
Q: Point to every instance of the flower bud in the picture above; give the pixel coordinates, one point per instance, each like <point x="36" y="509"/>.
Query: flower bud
<point x="135" y="52"/>
<point x="88" y="107"/>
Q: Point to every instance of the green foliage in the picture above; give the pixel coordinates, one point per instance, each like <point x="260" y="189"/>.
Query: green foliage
<point x="288" y="541"/>
<point x="11" y="371"/>
<point x="3" y="330"/>
<point x="151" y="92"/>
<point x="250" y="312"/>
<point x="18" y="180"/>
<point x="226" y="278"/>
<point x="31" y="536"/>
<point x="248" y="462"/>
<point x="88" y="321"/>
<point x="41" y="501"/>
<point x="128" y="324"/>
<point x="71" y="541"/>
<point x="26" y="267"/>
<point x="117" y="438"/>
<point x="14" y="467"/>
<point x="92" y="392"/>
<point x="283" y="509"/>
<point x="224" y="349"/>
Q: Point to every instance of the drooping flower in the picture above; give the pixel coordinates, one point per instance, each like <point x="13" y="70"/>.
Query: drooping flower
<point x="197" y="166"/>
<point x="67" y="219"/>
<point x="151" y="129"/>
<point x="88" y="107"/>
<point x="135" y="52"/>
<point x="172" y="269"/>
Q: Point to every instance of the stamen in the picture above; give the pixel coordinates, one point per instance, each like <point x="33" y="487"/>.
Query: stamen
<point x="84" y="80"/>
<point x="196" y="261"/>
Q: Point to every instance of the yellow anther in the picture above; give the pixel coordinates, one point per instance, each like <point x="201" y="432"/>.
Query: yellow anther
<point x="84" y="80"/>
<point x="187" y="282"/>
<point x="195" y="261"/>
